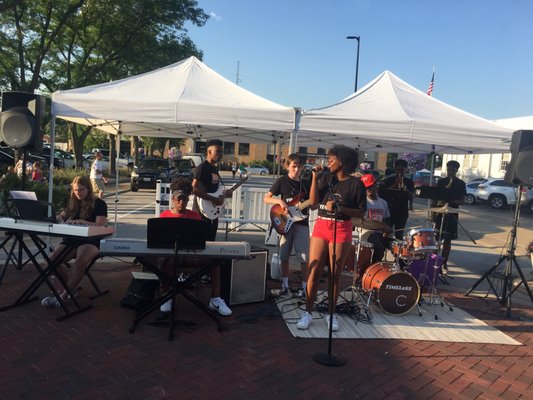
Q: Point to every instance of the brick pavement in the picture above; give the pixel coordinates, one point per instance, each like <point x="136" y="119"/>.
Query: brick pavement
<point x="93" y="356"/>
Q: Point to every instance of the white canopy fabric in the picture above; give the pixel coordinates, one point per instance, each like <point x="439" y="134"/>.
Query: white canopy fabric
<point x="518" y="123"/>
<point x="186" y="99"/>
<point x="390" y="115"/>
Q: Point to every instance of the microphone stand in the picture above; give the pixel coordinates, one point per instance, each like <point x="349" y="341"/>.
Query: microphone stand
<point x="329" y="359"/>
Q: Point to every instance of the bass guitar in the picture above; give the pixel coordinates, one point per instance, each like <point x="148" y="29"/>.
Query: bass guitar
<point x="212" y="211"/>
<point x="282" y="220"/>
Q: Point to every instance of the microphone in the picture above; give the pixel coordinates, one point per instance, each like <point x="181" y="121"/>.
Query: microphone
<point x="321" y="172"/>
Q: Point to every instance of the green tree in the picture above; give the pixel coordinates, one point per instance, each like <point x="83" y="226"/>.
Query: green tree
<point x="61" y="44"/>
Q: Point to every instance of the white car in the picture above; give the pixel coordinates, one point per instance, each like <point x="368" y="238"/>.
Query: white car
<point x="471" y="190"/>
<point x="500" y="193"/>
<point x="256" y="170"/>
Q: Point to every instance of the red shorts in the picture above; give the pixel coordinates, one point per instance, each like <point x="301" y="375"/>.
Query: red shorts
<point x="324" y="230"/>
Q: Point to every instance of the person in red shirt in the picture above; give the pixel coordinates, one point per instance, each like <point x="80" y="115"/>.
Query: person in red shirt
<point x="181" y="190"/>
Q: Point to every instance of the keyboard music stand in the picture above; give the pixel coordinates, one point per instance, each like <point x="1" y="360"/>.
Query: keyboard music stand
<point x="173" y="233"/>
<point x="17" y="205"/>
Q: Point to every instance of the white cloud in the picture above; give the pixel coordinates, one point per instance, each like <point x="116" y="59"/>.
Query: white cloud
<point x="215" y="16"/>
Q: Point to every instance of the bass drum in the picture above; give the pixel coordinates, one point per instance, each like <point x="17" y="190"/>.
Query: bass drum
<point x="396" y="292"/>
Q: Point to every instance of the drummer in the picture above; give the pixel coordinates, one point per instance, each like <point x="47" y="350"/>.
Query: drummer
<point x="377" y="209"/>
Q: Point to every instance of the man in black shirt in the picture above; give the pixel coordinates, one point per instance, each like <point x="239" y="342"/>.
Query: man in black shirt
<point x="401" y="189"/>
<point x="205" y="183"/>
<point x="451" y="191"/>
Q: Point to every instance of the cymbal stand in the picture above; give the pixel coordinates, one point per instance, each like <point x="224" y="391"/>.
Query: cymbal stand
<point x="434" y="297"/>
<point x="510" y="260"/>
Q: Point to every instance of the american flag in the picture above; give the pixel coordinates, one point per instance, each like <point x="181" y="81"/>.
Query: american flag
<point x="430" y="88"/>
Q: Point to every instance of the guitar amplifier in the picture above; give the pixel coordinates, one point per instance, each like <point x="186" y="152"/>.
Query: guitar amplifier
<point x="244" y="281"/>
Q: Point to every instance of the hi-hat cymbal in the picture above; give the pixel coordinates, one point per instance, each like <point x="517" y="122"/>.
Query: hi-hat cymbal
<point x="446" y="209"/>
<point x="370" y="224"/>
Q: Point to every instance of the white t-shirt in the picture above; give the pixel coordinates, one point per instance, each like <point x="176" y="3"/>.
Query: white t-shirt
<point x="97" y="164"/>
<point x="376" y="210"/>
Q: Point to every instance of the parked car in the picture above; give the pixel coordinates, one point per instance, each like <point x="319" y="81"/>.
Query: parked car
<point x="8" y="158"/>
<point x="196" y="158"/>
<point x="181" y="168"/>
<point x="423" y="178"/>
<point x="124" y="160"/>
<point x="500" y="193"/>
<point x="256" y="170"/>
<point x="471" y="192"/>
<point x="149" y="170"/>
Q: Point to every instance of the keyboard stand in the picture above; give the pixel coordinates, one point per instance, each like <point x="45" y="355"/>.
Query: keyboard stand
<point x="176" y="288"/>
<point x="44" y="277"/>
<point x="14" y="255"/>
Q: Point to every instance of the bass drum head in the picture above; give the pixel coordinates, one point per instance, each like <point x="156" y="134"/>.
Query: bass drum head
<point x="396" y="292"/>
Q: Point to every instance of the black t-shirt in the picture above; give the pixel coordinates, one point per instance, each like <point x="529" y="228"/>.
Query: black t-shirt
<point x="99" y="210"/>
<point x="398" y="205"/>
<point x="291" y="192"/>
<point x="350" y="193"/>
<point x="208" y="175"/>
<point x="455" y="192"/>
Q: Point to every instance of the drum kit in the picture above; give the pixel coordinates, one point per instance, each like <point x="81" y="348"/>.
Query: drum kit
<point x="397" y="286"/>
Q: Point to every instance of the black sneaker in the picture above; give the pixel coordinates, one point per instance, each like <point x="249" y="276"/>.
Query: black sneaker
<point x="283" y="292"/>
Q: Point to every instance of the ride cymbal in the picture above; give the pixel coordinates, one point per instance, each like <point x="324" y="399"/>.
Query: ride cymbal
<point x="446" y="209"/>
<point x="370" y="224"/>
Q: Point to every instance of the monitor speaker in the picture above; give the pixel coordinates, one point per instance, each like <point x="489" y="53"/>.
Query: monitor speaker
<point x="520" y="169"/>
<point x="20" y="120"/>
<point x="244" y="281"/>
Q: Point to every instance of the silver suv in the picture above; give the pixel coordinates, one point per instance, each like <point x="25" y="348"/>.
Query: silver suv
<point x="500" y="193"/>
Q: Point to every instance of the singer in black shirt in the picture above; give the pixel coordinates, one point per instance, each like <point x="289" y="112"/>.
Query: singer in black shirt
<point x="340" y="198"/>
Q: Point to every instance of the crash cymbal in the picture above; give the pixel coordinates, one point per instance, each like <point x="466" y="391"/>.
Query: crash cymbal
<point x="446" y="209"/>
<point x="370" y="224"/>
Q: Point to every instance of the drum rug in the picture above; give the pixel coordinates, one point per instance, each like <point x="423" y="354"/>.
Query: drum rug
<point x="450" y="326"/>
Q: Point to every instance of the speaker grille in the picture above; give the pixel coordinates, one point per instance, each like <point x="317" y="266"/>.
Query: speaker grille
<point x="17" y="127"/>
<point x="244" y="281"/>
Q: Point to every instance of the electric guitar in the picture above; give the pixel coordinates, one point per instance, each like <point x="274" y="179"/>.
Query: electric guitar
<point x="212" y="211"/>
<point x="282" y="220"/>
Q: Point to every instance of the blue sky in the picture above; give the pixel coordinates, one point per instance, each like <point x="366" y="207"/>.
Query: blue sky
<point x="295" y="52"/>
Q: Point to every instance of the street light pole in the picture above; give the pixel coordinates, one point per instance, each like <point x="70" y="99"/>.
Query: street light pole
<point x="358" y="38"/>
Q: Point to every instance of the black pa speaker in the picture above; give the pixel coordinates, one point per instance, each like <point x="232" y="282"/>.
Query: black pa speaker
<point x="244" y="281"/>
<point x="520" y="170"/>
<point x="20" y="120"/>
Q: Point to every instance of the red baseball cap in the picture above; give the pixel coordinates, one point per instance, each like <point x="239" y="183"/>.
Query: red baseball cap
<point x="368" y="180"/>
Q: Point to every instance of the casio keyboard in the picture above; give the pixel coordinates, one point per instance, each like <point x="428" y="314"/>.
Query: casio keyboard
<point x="214" y="253"/>
<point x="51" y="229"/>
<point x="138" y="247"/>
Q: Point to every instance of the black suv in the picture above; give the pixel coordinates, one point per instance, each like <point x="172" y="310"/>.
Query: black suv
<point x="149" y="170"/>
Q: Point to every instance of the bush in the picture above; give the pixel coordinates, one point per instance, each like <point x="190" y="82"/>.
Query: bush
<point x="13" y="182"/>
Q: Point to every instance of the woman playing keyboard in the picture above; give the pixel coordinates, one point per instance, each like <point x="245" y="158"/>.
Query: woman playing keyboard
<point x="83" y="208"/>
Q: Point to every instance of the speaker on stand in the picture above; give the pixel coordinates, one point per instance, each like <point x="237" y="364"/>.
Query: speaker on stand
<point x="20" y="120"/>
<point x="520" y="169"/>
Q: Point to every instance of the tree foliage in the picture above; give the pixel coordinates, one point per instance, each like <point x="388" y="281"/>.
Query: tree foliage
<point x="62" y="44"/>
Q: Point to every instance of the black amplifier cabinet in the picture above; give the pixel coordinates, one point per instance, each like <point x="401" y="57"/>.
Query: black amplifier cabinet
<point x="244" y="281"/>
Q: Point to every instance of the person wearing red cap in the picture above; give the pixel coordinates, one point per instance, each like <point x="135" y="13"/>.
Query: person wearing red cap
<point x="377" y="209"/>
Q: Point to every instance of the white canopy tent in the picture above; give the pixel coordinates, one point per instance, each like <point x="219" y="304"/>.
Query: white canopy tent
<point x="517" y="123"/>
<point x="390" y="115"/>
<point x="184" y="100"/>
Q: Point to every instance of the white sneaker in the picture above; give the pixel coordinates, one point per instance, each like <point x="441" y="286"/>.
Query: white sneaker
<point x="219" y="305"/>
<point x="50" y="302"/>
<point x="305" y="321"/>
<point x="335" y="324"/>
<point x="166" y="306"/>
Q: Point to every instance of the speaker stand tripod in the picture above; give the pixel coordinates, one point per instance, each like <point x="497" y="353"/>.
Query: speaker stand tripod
<point x="510" y="260"/>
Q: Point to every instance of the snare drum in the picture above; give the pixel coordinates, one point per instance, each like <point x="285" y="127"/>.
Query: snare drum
<point x="421" y="240"/>
<point x="360" y="257"/>
<point x="396" y="292"/>
<point x="400" y="248"/>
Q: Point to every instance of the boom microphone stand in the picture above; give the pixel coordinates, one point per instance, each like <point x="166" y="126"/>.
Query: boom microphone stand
<point x="329" y="359"/>
<point x="510" y="260"/>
